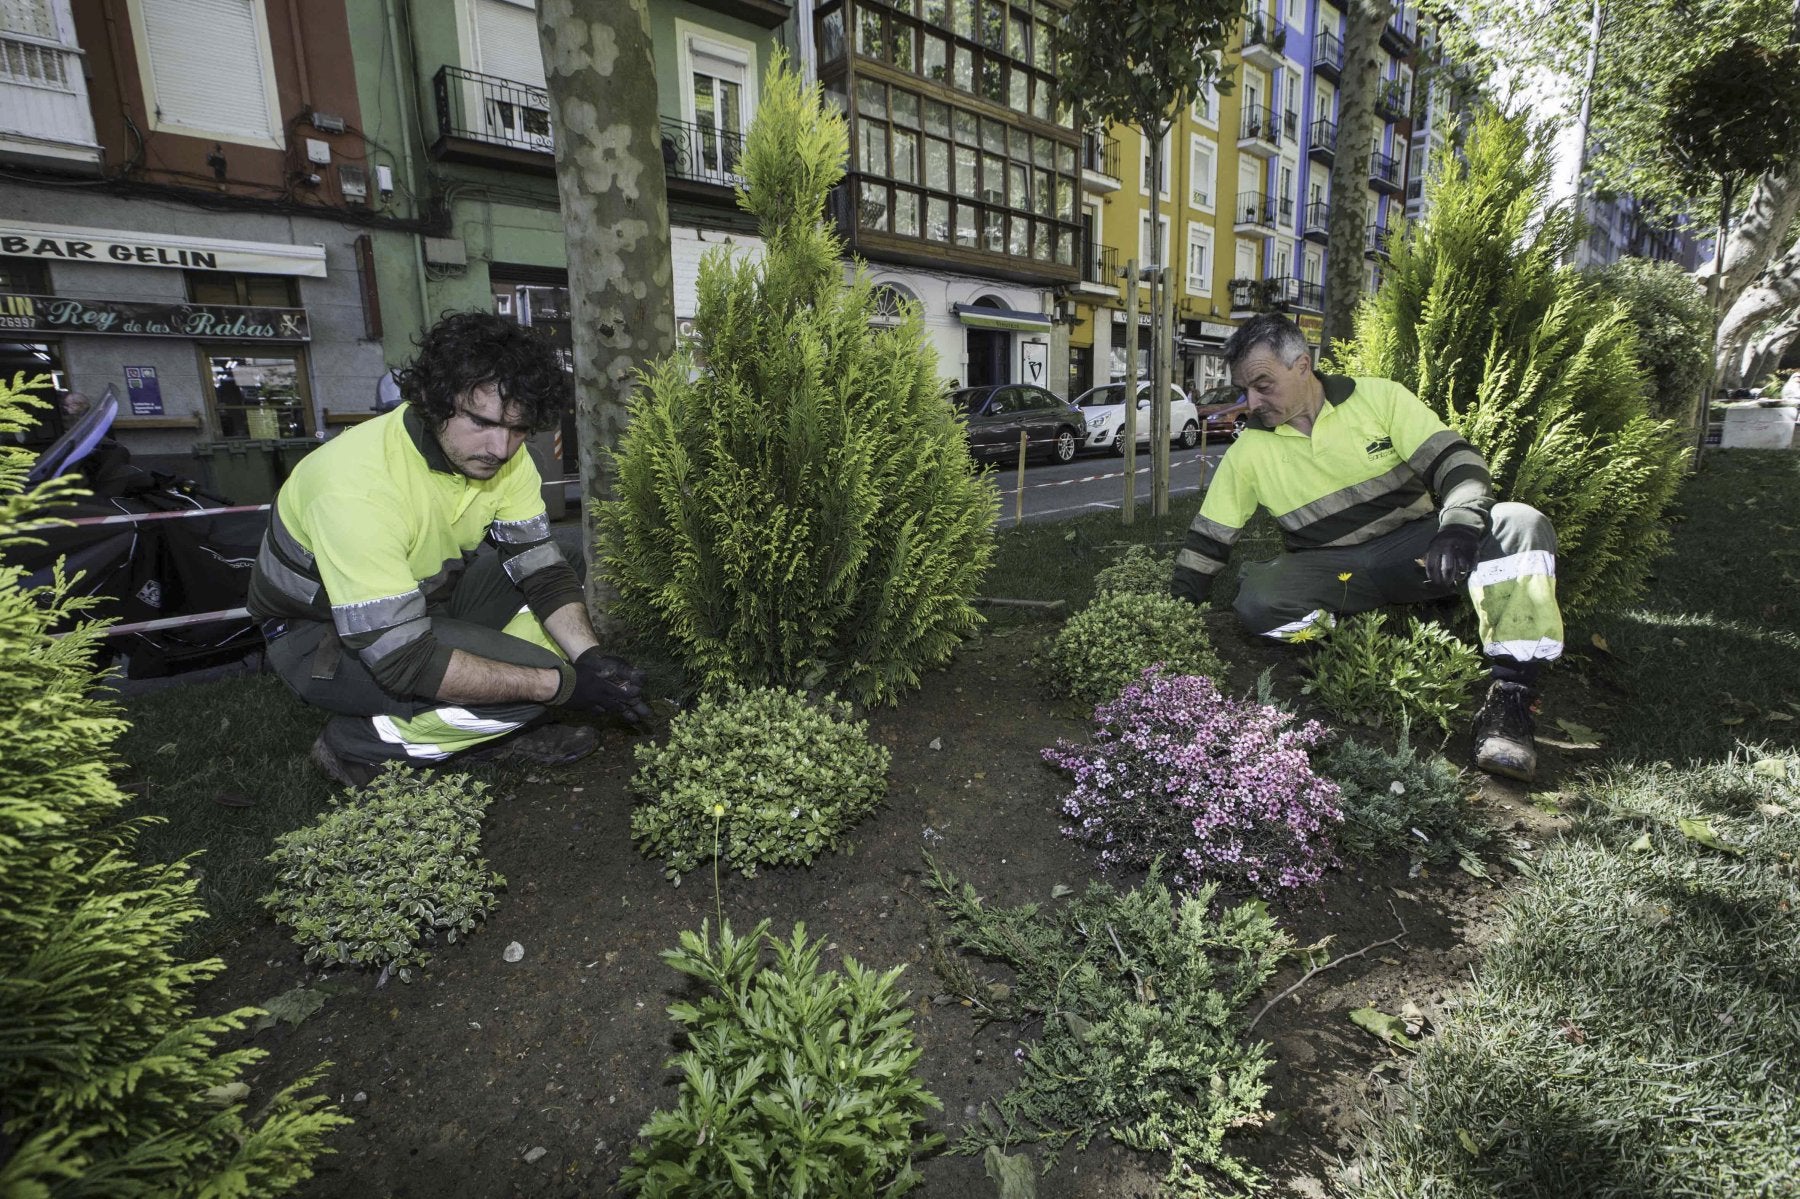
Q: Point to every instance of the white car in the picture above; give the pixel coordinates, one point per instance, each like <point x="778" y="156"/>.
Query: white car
<point x="1104" y="408"/>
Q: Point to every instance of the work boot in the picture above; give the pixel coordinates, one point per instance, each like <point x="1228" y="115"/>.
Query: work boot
<point x="1503" y="732"/>
<point x="546" y="745"/>
<point x="342" y="770"/>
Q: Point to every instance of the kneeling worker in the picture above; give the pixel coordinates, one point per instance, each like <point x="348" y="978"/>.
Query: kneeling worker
<point x="408" y="582"/>
<point x="1350" y="469"/>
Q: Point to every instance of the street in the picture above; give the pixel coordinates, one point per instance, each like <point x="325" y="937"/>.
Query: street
<point x="1057" y="491"/>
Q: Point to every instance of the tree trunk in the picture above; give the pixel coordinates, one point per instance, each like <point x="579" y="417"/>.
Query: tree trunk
<point x="1762" y="353"/>
<point x="1363" y="22"/>
<point x="615" y="213"/>
<point x="1776" y="290"/>
<point x="1760" y="232"/>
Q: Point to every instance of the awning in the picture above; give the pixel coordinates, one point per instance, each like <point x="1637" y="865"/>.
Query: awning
<point x="977" y="316"/>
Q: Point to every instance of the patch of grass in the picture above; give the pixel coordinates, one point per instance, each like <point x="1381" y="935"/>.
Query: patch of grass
<point x="236" y="740"/>
<point x="1711" y="657"/>
<point x="195" y="754"/>
<point x="1635" y="1029"/>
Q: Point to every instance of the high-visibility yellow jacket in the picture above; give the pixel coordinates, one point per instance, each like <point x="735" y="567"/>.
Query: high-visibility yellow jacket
<point x="375" y="526"/>
<point x="1374" y="461"/>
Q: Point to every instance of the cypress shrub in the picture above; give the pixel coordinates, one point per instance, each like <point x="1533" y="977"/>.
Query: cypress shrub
<point x="1529" y="361"/>
<point x="796" y="505"/>
<point x="112" y="1085"/>
<point x="1674" y="328"/>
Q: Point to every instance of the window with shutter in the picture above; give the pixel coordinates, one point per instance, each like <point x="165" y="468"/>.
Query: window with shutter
<point x="207" y="69"/>
<point x="506" y="41"/>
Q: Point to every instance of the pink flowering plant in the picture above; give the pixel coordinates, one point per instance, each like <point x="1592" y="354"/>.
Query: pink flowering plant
<point x="1219" y="788"/>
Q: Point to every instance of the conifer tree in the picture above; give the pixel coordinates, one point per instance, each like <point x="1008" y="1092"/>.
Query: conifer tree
<point x="796" y="501"/>
<point x="1528" y="360"/>
<point x="110" y="1085"/>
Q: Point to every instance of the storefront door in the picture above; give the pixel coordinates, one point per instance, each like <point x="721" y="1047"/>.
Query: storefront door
<point x="257" y="391"/>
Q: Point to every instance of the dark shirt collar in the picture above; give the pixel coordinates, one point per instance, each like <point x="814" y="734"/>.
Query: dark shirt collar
<point x="425" y="441"/>
<point x="1337" y="387"/>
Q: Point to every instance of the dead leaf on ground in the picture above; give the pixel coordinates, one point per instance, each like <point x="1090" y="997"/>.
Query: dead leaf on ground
<point x="1572" y="1034"/>
<point x="1389" y="1028"/>
<point x="1697" y="829"/>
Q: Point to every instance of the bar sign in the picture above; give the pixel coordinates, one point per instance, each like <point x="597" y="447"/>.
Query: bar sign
<point x="144" y="390"/>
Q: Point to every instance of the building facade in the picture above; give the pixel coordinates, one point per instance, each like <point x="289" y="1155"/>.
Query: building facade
<point x="184" y="214"/>
<point x="1243" y="195"/>
<point x="964" y="174"/>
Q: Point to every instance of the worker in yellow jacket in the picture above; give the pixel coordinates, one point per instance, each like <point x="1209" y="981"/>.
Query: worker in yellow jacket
<point x="1379" y="503"/>
<point x="408" y="583"/>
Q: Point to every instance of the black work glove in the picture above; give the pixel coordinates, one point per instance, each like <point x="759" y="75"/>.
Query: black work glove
<point x="1451" y="555"/>
<point x="604" y="683"/>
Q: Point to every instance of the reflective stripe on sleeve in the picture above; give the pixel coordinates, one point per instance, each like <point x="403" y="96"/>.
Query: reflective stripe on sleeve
<point x="369" y="616"/>
<point x="285" y="579"/>
<point x="521" y="532"/>
<point x="396" y="638"/>
<point x="519" y="566"/>
<point x="1199" y="563"/>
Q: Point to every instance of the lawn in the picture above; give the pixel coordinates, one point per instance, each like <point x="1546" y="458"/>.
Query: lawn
<point x="1631" y="1026"/>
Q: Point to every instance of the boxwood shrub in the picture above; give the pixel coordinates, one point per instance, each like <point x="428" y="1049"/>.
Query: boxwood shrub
<point x="769" y="776"/>
<point x="1113" y="640"/>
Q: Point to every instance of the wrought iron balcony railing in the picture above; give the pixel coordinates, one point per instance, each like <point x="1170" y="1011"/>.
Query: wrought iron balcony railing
<point x="701" y="153"/>
<point x="1100" y="154"/>
<point x="1254" y="208"/>
<point x="486" y="108"/>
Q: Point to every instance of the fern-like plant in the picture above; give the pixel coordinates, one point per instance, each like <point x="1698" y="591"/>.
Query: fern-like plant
<point x="1364" y="674"/>
<point x="796" y="504"/>
<point x="1529" y="360"/>
<point x="796" y="1080"/>
<point x="112" y="1085"/>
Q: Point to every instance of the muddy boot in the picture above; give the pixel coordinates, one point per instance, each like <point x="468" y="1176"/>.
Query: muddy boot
<point x="344" y="771"/>
<point x="1503" y="732"/>
<point x="546" y="745"/>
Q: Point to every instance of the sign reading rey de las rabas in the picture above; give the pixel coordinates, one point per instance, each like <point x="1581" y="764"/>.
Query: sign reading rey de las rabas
<point x="118" y="247"/>
<point x="138" y="318"/>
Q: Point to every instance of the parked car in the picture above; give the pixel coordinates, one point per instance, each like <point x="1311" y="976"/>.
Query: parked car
<point x="1104" y="407"/>
<point x="1224" y="411"/>
<point x="998" y="414"/>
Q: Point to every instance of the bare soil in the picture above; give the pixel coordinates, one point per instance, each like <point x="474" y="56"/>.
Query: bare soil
<point x="459" y="1078"/>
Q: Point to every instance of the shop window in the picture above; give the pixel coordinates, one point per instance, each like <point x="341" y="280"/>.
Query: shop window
<point x="259" y="392"/>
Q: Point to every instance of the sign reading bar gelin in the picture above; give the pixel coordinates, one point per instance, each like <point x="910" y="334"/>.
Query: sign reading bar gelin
<point x="68" y="243"/>
<point x="134" y="318"/>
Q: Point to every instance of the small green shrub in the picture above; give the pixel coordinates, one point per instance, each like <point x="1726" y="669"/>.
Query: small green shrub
<point x="111" y="1084"/>
<point x="795" y="1081"/>
<point x="795" y="504"/>
<point x="1364" y="674"/>
<point x="1674" y="327"/>
<point x="1139" y="571"/>
<point x="791" y="777"/>
<point x="1140" y="1006"/>
<point x="1113" y="640"/>
<point x="1401" y="801"/>
<point x="377" y="879"/>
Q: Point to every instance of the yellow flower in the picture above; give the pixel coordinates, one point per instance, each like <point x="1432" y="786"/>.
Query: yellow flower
<point x="1301" y="636"/>
<point x="718" y="809"/>
<point x="1345" y="577"/>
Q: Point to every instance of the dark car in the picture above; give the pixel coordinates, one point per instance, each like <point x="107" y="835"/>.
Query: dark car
<point x="998" y="414"/>
<point x="1224" y="411"/>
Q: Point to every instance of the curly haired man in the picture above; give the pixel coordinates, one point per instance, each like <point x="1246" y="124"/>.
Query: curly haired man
<point x="408" y="583"/>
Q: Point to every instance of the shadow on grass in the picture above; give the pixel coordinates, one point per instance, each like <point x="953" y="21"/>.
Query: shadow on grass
<point x="1711" y="657"/>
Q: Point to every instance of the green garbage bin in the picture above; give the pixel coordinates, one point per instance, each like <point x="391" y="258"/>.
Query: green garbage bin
<point x="289" y="451"/>
<point x="242" y="470"/>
